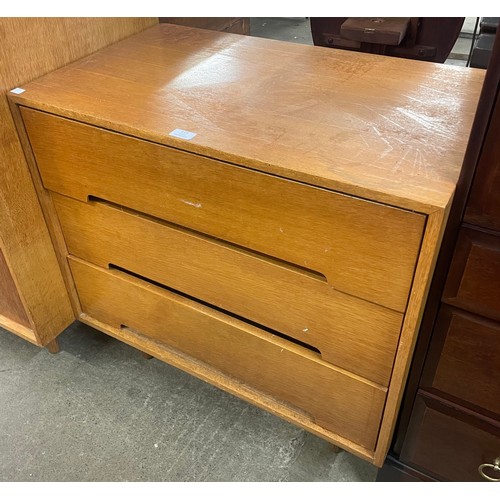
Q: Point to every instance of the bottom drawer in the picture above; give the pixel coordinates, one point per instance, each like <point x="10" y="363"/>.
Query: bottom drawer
<point x="336" y="400"/>
<point x="448" y="443"/>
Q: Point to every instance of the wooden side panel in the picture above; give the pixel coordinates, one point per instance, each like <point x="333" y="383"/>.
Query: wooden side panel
<point x="31" y="47"/>
<point x="466" y="349"/>
<point x="340" y="402"/>
<point x="411" y="324"/>
<point x="351" y="333"/>
<point x="473" y="281"/>
<point x="363" y="248"/>
<point x="449" y="444"/>
<point x="10" y="302"/>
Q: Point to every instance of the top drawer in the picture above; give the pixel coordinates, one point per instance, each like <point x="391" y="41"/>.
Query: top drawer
<point x="362" y="248"/>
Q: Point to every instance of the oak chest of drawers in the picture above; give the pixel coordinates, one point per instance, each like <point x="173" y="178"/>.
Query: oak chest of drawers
<point x="262" y="215"/>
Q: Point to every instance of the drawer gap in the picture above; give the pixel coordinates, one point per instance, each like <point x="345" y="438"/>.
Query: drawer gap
<point x="219" y="309"/>
<point x="253" y="253"/>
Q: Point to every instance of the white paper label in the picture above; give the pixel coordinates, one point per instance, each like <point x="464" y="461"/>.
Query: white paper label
<point x="17" y="90"/>
<point x="182" y="134"/>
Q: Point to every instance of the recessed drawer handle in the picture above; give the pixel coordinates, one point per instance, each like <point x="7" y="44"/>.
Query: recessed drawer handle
<point x="495" y="466"/>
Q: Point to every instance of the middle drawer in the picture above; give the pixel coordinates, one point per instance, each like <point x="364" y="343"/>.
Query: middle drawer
<point x="349" y="332"/>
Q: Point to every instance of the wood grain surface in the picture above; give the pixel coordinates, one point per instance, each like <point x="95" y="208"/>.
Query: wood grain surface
<point x="365" y="249"/>
<point x="350" y="333"/>
<point x="205" y="372"/>
<point x="29" y="48"/>
<point x="338" y="401"/>
<point x="376" y="143"/>
<point x="382" y="128"/>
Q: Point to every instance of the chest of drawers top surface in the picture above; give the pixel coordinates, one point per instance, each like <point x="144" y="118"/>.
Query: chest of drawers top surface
<point x="381" y="128"/>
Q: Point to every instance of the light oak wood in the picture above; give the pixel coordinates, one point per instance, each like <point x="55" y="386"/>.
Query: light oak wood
<point x="350" y="333"/>
<point x="298" y="149"/>
<point x="393" y="130"/>
<point x="365" y="249"/>
<point x="29" y="48"/>
<point x="336" y="400"/>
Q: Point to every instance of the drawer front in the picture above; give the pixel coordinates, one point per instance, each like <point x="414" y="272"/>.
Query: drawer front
<point x="334" y="399"/>
<point x="473" y="281"/>
<point x="448" y="443"/>
<point x="349" y="332"/>
<point x="364" y="249"/>
<point x="466" y="349"/>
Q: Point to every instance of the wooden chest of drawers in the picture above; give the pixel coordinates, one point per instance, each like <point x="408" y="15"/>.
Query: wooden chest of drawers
<point x="262" y="215"/>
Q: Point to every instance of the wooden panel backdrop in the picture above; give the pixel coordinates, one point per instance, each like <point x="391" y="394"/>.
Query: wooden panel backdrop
<point x="29" y="48"/>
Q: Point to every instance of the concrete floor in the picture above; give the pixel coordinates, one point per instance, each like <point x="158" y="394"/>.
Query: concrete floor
<point x="99" y="411"/>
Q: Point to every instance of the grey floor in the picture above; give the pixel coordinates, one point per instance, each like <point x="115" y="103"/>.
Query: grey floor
<point x="99" y="411"/>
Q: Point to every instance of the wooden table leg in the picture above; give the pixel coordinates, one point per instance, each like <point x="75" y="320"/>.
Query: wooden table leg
<point x="53" y="346"/>
<point x="147" y="356"/>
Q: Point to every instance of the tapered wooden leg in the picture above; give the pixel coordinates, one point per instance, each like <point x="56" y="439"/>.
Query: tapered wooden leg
<point x="335" y="448"/>
<point x="146" y="355"/>
<point x="53" y="347"/>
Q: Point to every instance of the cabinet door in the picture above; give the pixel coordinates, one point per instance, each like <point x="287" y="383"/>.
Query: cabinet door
<point x="448" y="443"/>
<point x="483" y="208"/>
<point x="466" y="349"/>
<point x="10" y="302"/>
<point x="473" y="282"/>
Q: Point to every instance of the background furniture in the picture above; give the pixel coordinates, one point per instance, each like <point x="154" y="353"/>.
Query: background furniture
<point x="424" y="38"/>
<point x="263" y="245"/>
<point x="450" y="420"/>
<point x="34" y="301"/>
<point x="483" y="44"/>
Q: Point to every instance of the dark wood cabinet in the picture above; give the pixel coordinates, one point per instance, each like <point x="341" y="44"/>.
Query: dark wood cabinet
<point x="448" y="443"/>
<point x="449" y="424"/>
